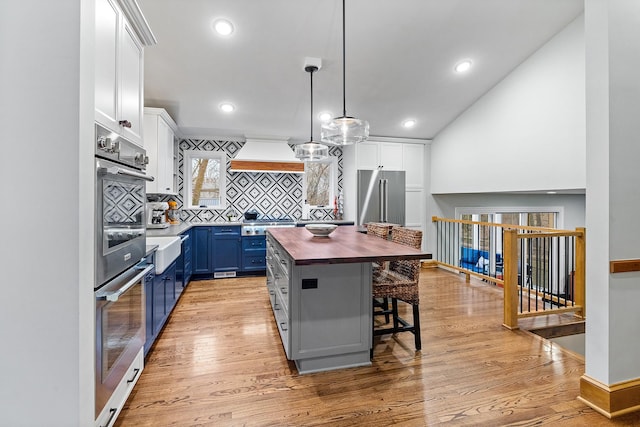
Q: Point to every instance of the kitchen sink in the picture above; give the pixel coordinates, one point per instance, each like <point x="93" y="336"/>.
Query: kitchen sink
<point x="168" y="250"/>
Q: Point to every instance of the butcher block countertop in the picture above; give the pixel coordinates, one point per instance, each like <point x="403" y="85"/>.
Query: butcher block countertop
<point x="344" y="245"/>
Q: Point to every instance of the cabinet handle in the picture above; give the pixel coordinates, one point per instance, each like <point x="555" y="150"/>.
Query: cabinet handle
<point x="284" y="291"/>
<point x="283" y="327"/>
<point x="276" y="306"/>
<point x="125" y="123"/>
<point x="283" y="262"/>
<point x="112" y="413"/>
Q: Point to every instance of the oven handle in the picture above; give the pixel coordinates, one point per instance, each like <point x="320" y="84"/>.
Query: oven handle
<point x="113" y="296"/>
<point x="120" y="171"/>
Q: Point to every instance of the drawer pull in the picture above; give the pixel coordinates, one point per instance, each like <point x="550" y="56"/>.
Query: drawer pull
<point x="283" y="326"/>
<point x="135" y="374"/>
<point x="112" y="413"/>
<point x="284" y="290"/>
<point x="276" y="306"/>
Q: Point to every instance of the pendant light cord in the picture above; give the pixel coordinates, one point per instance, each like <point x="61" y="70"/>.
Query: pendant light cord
<point x="344" y="64"/>
<point x="311" y="121"/>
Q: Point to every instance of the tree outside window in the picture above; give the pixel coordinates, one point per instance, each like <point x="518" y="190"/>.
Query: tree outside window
<point x="319" y="179"/>
<point x="205" y="175"/>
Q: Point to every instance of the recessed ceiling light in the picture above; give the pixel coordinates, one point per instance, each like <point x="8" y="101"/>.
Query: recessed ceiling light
<point x="551" y="192"/>
<point x="227" y="107"/>
<point x="409" y="123"/>
<point x="223" y="27"/>
<point x="324" y="117"/>
<point x="463" y="66"/>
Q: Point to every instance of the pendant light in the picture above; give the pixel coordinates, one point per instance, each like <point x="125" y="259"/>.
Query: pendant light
<point x="344" y="130"/>
<point x="311" y="150"/>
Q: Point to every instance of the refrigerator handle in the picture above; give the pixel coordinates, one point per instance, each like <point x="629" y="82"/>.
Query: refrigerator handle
<point x="384" y="202"/>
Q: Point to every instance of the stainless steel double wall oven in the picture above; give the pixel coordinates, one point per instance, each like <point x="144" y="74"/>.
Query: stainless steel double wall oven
<point x="120" y="246"/>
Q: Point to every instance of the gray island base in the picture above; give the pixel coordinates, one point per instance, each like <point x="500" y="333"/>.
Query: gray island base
<point x="320" y="292"/>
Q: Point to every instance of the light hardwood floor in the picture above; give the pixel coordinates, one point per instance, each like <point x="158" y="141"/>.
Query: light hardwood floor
<point x="219" y="362"/>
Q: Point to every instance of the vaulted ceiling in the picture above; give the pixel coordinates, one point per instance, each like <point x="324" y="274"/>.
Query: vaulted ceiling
<point x="400" y="56"/>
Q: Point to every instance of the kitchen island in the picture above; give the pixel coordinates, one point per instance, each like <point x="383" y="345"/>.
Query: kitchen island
<point x="320" y="292"/>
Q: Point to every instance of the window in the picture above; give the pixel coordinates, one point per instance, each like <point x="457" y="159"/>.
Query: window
<point x="205" y="174"/>
<point x="320" y="182"/>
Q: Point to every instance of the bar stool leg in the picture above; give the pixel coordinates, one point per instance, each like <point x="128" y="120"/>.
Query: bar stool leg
<point x="394" y="308"/>
<point x="416" y="326"/>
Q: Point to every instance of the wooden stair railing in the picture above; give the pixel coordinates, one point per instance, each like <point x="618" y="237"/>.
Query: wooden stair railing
<point x="550" y="258"/>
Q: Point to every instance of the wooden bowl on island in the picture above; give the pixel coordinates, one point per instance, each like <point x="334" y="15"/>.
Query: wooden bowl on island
<point x="320" y="230"/>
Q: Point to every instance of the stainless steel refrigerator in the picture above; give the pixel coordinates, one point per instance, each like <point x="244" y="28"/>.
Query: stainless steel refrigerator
<point x="381" y="196"/>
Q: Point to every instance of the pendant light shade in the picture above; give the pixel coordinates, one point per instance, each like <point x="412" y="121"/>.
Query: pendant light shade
<point x="344" y="130"/>
<point x="311" y="150"/>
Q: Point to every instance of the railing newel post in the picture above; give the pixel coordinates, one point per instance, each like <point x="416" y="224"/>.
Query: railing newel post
<point x="510" y="278"/>
<point x="580" y="275"/>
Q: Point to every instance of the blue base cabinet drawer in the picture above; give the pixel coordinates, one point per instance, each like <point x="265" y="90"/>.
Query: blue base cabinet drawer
<point x="254" y="252"/>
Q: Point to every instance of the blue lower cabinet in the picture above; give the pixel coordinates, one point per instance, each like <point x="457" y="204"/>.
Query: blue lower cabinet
<point x="216" y="251"/>
<point x="254" y="252"/>
<point x="202" y="245"/>
<point x="160" y="300"/>
<point x="148" y="291"/>
<point x="226" y="248"/>
<point x="183" y="264"/>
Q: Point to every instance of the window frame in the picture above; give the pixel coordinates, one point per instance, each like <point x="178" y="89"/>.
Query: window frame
<point x="333" y="184"/>
<point x="188" y="156"/>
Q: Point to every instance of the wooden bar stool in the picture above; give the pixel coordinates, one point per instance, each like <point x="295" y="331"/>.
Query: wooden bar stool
<point x="400" y="282"/>
<point x="382" y="230"/>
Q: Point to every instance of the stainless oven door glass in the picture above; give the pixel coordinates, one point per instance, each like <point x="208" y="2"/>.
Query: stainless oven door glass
<point x="120" y="330"/>
<point x="122" y="211"/>
<point x="120" y="219"/>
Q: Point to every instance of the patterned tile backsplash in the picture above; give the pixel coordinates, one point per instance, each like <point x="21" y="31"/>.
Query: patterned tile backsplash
<point x="271" y="194"/>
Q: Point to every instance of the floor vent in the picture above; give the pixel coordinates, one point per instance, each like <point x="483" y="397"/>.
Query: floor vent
<point x="224" y="274"/>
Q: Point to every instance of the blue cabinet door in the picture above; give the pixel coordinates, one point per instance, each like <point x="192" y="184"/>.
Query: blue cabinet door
<point x="186" y="258"/>
<point x="202" y="261"/>
<point x="158" y="304"/>
<point x="183" y="263"/>
<point x="226" y="248"/>
<point x="170" y="296"/>
<point x="148" y="290"/>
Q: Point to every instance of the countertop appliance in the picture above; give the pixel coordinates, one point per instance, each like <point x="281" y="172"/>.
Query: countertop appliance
<point x="156" y="215"/>
<point x="251" y="215"/>
<point x="381" y="196"/>
<point x="258" y="227"/>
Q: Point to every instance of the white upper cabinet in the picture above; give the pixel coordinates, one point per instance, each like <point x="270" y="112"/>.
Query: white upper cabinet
<point x="413" y="162"/>
<point x="159" y="141"/>
<point x="372" y="155"/>
<point x="390" y="154"/>
<point x="121" y="34"/>
<point x="131" y="84"/>
<point x="106" y="84"/>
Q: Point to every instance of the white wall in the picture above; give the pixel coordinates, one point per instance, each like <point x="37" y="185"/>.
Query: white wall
<point x="46" y="171"/>
<point x="527" y="133"/>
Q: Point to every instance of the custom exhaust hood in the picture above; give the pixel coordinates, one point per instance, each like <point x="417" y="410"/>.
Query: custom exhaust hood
<point x="266" y="155"/>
